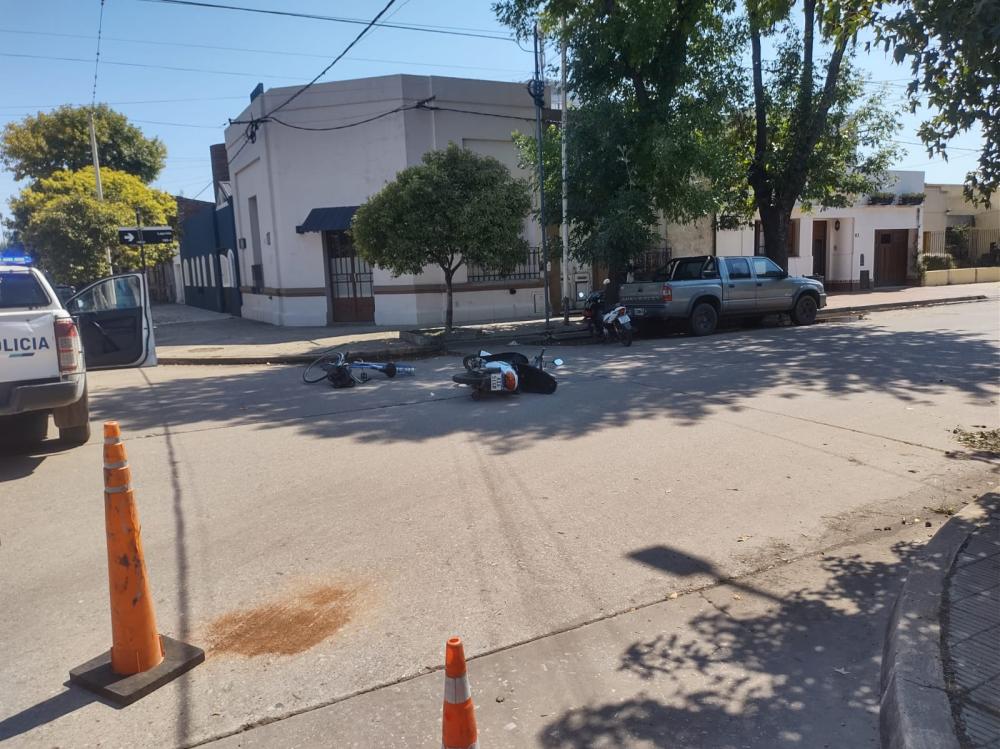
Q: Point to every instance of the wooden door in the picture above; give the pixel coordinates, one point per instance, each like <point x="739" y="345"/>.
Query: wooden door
<point x="350" y="281"/>
<point x="890" y="257"/>
<point x="819" y="248"/>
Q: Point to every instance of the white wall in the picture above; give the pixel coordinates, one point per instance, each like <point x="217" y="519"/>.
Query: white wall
<point x="293" y="171"/>
<point x="735" y="241"/>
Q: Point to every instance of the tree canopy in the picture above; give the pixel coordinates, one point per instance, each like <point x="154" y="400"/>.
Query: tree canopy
<point x="704" y="136"/>
<point x="953" y="47"/>
<point x="70" y="231"/>
<point x="816" y="136"/>
<point x="456" y="207"/>
<point x="655" y="83"/>
<point x="47" y="142"/>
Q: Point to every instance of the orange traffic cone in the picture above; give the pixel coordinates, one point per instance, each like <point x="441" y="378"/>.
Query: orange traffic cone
<point x="459" y="724"/>
<point x="135" y="643"/>
<point x="140" y="660"/>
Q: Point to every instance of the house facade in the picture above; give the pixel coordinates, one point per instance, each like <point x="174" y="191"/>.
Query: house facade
<point x="862" y="246"/>
<point x="297" y="182"/>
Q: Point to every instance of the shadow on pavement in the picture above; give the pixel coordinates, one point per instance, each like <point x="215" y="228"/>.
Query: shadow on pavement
<point x="684" y="379"/>
<point x="753" y="668"/>
<point x="18" y="461"/>
<point x="64" y="703"/>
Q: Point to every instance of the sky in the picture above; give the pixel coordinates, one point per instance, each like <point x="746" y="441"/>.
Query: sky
<point x="179" y="72"/>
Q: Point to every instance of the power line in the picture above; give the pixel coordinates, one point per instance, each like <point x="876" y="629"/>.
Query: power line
<point x="484" y="114"/>
<point x="180" y="124"/>
<point x="203" y="189"/>
<point x="97" y="57"/>
<point x="452" y="31"/>
<point x="153" y="67"/>
<point x="20" y="107"/>
<point x="350" y="124"/>
<point x="333" y="62"/>
<point x="283" y="53"/>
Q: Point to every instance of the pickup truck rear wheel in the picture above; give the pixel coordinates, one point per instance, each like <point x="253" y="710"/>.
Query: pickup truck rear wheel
<point x="704" y="319"/>
<point x="77" y="435"/>
<point x="805" y="309"/>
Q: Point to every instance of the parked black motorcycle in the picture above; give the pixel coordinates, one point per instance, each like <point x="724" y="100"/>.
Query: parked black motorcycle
<point x="509" y="372"/>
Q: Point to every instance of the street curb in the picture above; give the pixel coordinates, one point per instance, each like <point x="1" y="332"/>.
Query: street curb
<point x="826" y="313"/>
<point x="388" y="354"/>
<point x="914" y="709"/>
<point x="418" y="338"/>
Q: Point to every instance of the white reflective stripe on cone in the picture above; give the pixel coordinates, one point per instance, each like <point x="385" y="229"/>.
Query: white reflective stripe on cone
<point x="119" y="464"/>
<point x="456" y="691"/>
<point x="112" y="440"/>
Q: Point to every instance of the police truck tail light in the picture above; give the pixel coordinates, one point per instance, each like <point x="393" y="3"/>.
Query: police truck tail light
<point x="666" y="293"/>
<point x="68" y="346"/>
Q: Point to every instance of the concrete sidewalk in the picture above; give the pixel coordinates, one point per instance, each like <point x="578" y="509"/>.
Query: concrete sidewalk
<point x="189" y="335"/>
<point x="941" y="666"/>
<point x="787" y="657"/>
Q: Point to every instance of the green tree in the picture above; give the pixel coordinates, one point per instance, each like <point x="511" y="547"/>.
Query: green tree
<point x="953" y="47"/>
<point x="456" y="207"/>
<point x="810" y="141"/>
<point x="656" y="81"/>
<point x="60" y="219"/>
<point x="47" y="142"/>
<point x="612" y="211"/>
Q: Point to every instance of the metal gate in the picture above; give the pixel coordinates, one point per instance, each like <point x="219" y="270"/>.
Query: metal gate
<point x="350" y="281"/>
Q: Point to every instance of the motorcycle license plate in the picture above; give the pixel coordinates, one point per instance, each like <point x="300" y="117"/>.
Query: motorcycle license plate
<point x="496" y="382"/>
<point x="638" y="311"/>
<point x="624" y="319"/>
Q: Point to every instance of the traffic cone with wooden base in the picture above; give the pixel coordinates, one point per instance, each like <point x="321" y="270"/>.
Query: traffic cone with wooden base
<point x="140" y="660"/>
<point x="459" y="724"/>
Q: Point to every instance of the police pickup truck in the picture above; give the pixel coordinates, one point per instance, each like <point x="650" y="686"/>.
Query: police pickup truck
<point x="46" y="348"/>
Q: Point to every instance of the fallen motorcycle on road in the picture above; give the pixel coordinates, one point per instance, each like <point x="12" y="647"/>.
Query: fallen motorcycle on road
<point x="343" y="372"/>
<point x="509" y="372"/>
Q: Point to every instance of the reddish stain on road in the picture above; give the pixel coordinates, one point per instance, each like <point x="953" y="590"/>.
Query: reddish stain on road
<point x="284" y="627"/>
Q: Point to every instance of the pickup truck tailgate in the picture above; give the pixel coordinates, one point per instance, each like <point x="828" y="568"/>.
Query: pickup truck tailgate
<point x="27" y="346"/>
<point x="633" y="293"/>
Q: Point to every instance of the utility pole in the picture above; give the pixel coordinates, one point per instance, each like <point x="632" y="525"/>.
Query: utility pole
<point x="537" y="90"/>
<point x="141" y="242"/>
<point x="564" y="229"/>
<point x="97" y="172"/>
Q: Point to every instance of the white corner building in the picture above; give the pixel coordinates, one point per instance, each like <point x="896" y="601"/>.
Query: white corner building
<point x="296" y="186"/>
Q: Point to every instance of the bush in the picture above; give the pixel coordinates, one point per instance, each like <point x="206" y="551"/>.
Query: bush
<point x="881" y="198"/>
<point x="911" y="198"/>
<point x="937" y="262"/>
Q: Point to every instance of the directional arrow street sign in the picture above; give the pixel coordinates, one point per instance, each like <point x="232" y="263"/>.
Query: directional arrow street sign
<point x="150" y="235"/>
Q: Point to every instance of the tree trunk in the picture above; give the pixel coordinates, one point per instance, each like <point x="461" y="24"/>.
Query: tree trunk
<point x="449" y="312"/>
<point x="775" y="222"/>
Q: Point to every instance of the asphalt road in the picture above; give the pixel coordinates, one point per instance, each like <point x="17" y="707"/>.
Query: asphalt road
<point x="320" y="543"/>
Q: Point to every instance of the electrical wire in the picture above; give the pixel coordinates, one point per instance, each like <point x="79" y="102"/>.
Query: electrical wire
<point x="246" y="142"/>
<point x="210" y="182"/>
<point x="243" y="74"/>
<point x="487" y="114"/>
<point x="453" y="30"/>
<point x="404" y="108"/>
<point x="97" y="57"/>
<point x="180" y="124"/>
<point x="333" y="62"/>
<point x="283" y="53"/>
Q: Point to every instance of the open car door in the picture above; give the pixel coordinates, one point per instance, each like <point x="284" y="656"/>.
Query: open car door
<point x="115" y="322"/>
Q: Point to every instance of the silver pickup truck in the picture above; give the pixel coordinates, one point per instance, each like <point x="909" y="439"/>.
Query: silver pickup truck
<point x="703" y="289"/>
